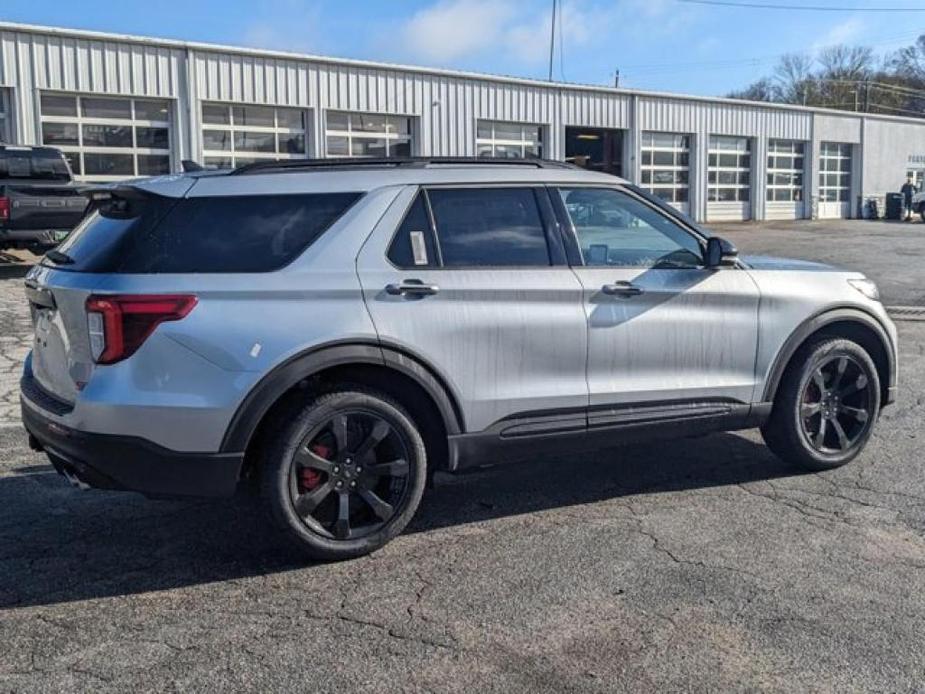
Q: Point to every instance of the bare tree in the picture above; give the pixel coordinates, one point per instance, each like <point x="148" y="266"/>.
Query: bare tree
<point x="793" y="78"/>
<point x="762" y="90"/>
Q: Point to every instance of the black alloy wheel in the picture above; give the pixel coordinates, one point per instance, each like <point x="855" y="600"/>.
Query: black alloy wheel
<point x="349" y="475"/>
<point x="344" y="473"/>
<point x="836" y="408"/>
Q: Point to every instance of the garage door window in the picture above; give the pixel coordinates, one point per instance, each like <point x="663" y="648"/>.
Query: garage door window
<point x="509" y="140"/>
<point x="729" y="169"/>
<point x="238" y="135"/>
<point x="108" y="138"/>
<point x="785" y="171"/>
<point x="6" y="125"/>
<point x="666" y="166"/>
<point x="367" y="135"/>
<point x="834" y="172"/>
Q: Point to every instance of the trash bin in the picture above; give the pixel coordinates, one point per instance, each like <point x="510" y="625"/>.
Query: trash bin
<point x="894" y="206"/>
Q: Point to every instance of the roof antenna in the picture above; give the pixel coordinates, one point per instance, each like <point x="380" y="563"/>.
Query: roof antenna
<point x="189" y="166"/>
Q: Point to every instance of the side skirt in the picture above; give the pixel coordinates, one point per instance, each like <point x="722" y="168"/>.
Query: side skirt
<point x="521" y="438"/>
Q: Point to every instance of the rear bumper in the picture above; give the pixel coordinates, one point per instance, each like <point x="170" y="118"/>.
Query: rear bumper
<point x="129" y="463"/>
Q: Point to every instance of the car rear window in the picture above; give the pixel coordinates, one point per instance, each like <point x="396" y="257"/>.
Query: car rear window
<point x="151" y="234"/>
<point x="37" y="164"/>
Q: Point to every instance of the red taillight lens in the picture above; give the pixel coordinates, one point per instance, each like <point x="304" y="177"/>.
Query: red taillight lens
<point x="4" y="209"/>
<point x="119" y="324"/>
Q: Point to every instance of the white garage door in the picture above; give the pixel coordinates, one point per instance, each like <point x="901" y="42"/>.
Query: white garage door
<point x="729" y="179"/>
<point x="834" y="180"/>
<point x="786" y="180"/>
<point x="666" y="167"/>
<point x="108" y="138"/>
<point x="6" y="119"/>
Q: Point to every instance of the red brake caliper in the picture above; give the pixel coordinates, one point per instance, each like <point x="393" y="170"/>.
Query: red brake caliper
<point x="309" y="477"/>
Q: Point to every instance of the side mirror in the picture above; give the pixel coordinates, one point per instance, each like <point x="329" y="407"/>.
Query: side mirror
<point x="720" y="253"/>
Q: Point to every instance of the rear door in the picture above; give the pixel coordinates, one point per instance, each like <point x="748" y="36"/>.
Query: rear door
<point x="474" y="281"/>
<point x="663" y="330"/>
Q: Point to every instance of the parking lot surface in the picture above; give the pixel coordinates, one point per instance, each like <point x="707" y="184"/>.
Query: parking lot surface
<point x="704" y="564"/>
<point x="890" y="253"/>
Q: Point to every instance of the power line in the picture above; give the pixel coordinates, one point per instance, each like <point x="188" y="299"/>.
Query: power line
<point x="804" y="8"/>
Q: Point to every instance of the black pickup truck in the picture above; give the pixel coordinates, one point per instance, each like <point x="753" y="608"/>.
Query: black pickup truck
<point x="39" y="202"/>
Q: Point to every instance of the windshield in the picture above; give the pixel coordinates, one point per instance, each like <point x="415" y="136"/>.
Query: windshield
<point x="42" y="164"/>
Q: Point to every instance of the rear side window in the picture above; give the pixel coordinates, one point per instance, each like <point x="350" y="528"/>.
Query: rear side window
<point x="256" y="233"/>
<point x="413" y="245"/>
<point x="36" y="164"/>
<point x="489" y="227"/>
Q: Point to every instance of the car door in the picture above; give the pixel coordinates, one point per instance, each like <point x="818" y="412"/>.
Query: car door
<point x="474" y="282"/>
<point x="663" y="330"/>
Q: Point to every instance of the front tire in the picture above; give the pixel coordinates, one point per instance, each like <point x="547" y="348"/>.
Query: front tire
<point x="826" y="405"/>
<point x="345" y="475"/>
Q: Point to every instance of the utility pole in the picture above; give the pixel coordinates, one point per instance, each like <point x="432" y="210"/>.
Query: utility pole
<point x="616" y="79"/>
<point x="552" y="38"/>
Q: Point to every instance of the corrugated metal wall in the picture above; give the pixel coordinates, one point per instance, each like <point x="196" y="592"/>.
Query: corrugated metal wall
<point x="445" y="106"/>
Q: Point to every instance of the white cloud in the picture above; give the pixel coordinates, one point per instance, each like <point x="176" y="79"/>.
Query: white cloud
<point x="843" y="32"/>
<point x="454" y="29"/>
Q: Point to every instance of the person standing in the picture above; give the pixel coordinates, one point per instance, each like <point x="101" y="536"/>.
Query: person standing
<point x="908" y="190"/>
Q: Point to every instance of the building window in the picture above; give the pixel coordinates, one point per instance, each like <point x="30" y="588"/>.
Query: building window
<point x="235" y="135"/>
<point x="108" y="138"/>
<point x="367" y="135"/>
<point x="785" y="170"/>
<point x="6" y="117"/>
<point x="729" y="166"/>
<point x="666" y="166"/>
<point x="834" y="172"/>
<point x="509" y="140"/>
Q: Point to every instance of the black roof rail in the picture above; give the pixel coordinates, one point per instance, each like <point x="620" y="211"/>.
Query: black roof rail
<point x="383" y="163"/>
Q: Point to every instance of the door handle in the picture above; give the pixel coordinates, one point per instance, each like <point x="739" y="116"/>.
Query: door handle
<point x="411" y="288"/>
<point x="624" y="289"/>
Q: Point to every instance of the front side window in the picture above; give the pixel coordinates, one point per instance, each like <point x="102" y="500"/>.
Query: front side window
<point x="108" y="138"/>
<point x="617" y="230"/>
<point x="489" y="227"/>
<point x="235" y="135"/>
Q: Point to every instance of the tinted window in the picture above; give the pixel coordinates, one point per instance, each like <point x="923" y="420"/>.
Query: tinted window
<point x="45" y="164"/>
<point x="413" y="245"/>
<point x="498" y="227"/>
<point x="153" y="234"/>
<point x="615" y="229"/>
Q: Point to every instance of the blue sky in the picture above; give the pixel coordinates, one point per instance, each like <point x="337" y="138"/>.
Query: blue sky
<point x="657" y="44"/>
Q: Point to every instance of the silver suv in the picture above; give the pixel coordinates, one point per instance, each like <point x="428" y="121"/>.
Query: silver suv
<point x="333" y="332"/>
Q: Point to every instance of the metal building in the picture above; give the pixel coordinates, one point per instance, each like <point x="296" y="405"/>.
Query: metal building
<point x="123" y="106"/>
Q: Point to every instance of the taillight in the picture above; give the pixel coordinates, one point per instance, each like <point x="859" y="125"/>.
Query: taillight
<point x="4" y="209"/>
<point x="119" y="324"/>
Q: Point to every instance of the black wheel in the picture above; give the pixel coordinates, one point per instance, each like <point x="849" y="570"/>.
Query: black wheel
<point x="826" y="405"/>
<point x="922" y="212"/>
<point x="346" y="474"/>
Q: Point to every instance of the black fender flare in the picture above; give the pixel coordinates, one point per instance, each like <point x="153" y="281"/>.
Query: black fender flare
<point x="815" y="323"/>
<point x="305" y="364"/>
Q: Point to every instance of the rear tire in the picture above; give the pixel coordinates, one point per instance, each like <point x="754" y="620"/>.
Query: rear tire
<point x="345" y="475"/>
<point x="826" y="405"/>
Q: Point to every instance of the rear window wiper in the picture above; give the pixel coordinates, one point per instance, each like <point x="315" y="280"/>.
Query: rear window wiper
<point x="59" y="258"/>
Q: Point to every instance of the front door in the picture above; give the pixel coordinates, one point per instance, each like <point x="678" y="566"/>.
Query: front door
<point x="663" y="330"/>
<point x="470" y="284"/>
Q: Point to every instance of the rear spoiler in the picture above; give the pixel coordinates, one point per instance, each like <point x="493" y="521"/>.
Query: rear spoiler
<point x="169" y="186"/>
